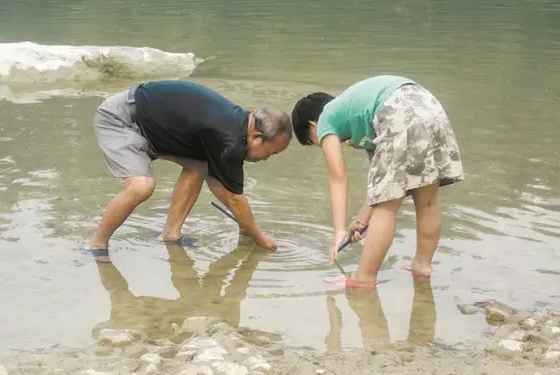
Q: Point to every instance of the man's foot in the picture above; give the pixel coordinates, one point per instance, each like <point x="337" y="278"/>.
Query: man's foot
<point x="182" y="240"/>
<point x="100" y="255"/>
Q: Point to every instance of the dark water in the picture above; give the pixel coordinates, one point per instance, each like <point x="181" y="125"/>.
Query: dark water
<point x="493" y="64"/>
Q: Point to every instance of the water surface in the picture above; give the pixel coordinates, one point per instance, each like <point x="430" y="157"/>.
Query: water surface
<point x="493" y="64"/>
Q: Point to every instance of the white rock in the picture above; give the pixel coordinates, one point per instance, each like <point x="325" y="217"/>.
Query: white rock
<point x="3" y="371"/>
<point x="552" y="356"/>
<point x="529" y="324"/>
<point x="199" y="343"/>
<point x="230" y="368"/>
<point x="185" y="356"/>
<point x="151" y="359"/>
<point x="512" y="346"/>
<point x="552" y="332"/>
<point x="243" y="350"/>
<point x="257" y="362"/>
<point x="193" y="369"/>
<point x="151" y="369"/>
<point x="93" y="372"/>
<point x="320" y="371"/>
<point x="519" y="335"/>
<point x="211" y="355"/>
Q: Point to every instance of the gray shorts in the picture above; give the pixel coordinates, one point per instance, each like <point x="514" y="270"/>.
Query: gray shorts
<point x="127" y="152"/>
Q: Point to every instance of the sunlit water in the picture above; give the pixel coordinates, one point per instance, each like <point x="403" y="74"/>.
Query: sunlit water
<point x="494" y="65"/>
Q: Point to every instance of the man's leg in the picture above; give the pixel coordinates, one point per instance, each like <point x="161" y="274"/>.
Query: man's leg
<point x="220" y="192"/>
<point x="185" y="193"/>
<point x="428" y="228"/>
<point x="136" y="190"/>
<point x="379" y="238"/>
<point x="126" y="154"/>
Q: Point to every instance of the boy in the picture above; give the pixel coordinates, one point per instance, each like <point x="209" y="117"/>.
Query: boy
<point x="412" y="150"/>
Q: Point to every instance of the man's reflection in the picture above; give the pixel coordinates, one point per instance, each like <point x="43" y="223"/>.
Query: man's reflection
<point x="373" y="324"/>
<point x="197" y="296"/>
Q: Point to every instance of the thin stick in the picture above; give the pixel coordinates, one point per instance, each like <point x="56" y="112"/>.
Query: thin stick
<point x="224" y="211"/>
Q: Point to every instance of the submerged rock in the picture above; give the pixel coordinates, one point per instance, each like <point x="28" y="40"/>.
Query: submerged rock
<point x="469" y="309"/>
<point x="519" y="335"/>
<point x="495" y="315"/>
<point x="198" y="324"/>
<point x="257" y="363"/>
<point x="197" y="369"/>
<point x="551" y="332"/>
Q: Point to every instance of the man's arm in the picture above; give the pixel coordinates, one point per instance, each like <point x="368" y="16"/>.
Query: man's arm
<point x="233" y="202"/>
<point x="338" y="180"/>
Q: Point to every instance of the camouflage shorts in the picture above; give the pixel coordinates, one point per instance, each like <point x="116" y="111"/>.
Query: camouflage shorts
<point x="415" y="146"/>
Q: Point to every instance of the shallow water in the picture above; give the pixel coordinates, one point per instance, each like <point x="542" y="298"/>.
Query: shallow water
<point x="492" y="64"/>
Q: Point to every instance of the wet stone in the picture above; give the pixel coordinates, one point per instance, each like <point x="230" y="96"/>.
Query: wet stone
<point x="93" y="372"/>
<point x="117" y="337"/>
<point x="495" y="316"/>
<point x="185" y="356"/>
<point x="257" y="363"/>
<point x="196" y="369"/>
<point x="151" y="369"/>
<point x="469" y="309"/>
<point x="538" y="338"/>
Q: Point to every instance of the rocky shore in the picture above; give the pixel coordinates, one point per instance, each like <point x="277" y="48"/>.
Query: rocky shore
<point x="520" y="342"/>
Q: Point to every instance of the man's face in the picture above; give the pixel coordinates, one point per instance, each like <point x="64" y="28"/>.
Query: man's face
<point x="258" y="150"/>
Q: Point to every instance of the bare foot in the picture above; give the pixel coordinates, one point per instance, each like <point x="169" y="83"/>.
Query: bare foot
<point x="418" y="268"/>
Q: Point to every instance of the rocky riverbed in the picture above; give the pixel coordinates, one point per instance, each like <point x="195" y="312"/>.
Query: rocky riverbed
<point x="519" y="342"/>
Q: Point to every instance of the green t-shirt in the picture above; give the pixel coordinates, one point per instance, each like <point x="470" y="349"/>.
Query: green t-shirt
<point x="350" y="115"/>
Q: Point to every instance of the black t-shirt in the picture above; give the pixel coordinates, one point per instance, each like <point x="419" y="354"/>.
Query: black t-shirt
<point x="187" y="120"/>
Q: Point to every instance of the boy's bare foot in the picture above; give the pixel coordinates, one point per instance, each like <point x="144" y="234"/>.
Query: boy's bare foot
<point x="418" y="268"/>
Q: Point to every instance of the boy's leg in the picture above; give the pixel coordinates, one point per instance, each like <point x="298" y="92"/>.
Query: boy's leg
<point x="379" y="238"/>
<point x="428" y="228"/>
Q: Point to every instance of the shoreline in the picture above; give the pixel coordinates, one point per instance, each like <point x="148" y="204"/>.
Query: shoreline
<point x="522" y="342"/>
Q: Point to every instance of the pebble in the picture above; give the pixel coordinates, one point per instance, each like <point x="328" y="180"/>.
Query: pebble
<point x="199" y="369"/>
<point x="320" y="371"/>
<point x="3" y="371"/>
<point x="211" y="355"/>
<point x="185" y="356"/>
<point x="469" y="309"/>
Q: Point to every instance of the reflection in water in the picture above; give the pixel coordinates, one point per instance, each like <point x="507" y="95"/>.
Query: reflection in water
<point x="197" y="296"/>
<point x="372" y="322"/>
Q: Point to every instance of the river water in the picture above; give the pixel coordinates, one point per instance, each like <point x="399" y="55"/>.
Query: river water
<point x="493" y="64"/>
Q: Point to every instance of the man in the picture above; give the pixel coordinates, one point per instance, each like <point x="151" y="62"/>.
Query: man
<point x="195" y="127"/>
<point x="412" y="151"/>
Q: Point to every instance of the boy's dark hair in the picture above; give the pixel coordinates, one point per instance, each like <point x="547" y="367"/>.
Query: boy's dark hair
<point x="308" y="109"/>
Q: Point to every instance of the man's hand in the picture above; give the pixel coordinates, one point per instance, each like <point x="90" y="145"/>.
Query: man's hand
<point x="266" y="242"/>
<point x="338" y="237"/>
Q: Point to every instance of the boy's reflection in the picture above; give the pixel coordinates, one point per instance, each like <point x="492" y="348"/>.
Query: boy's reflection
<point x="373" y="325"/>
